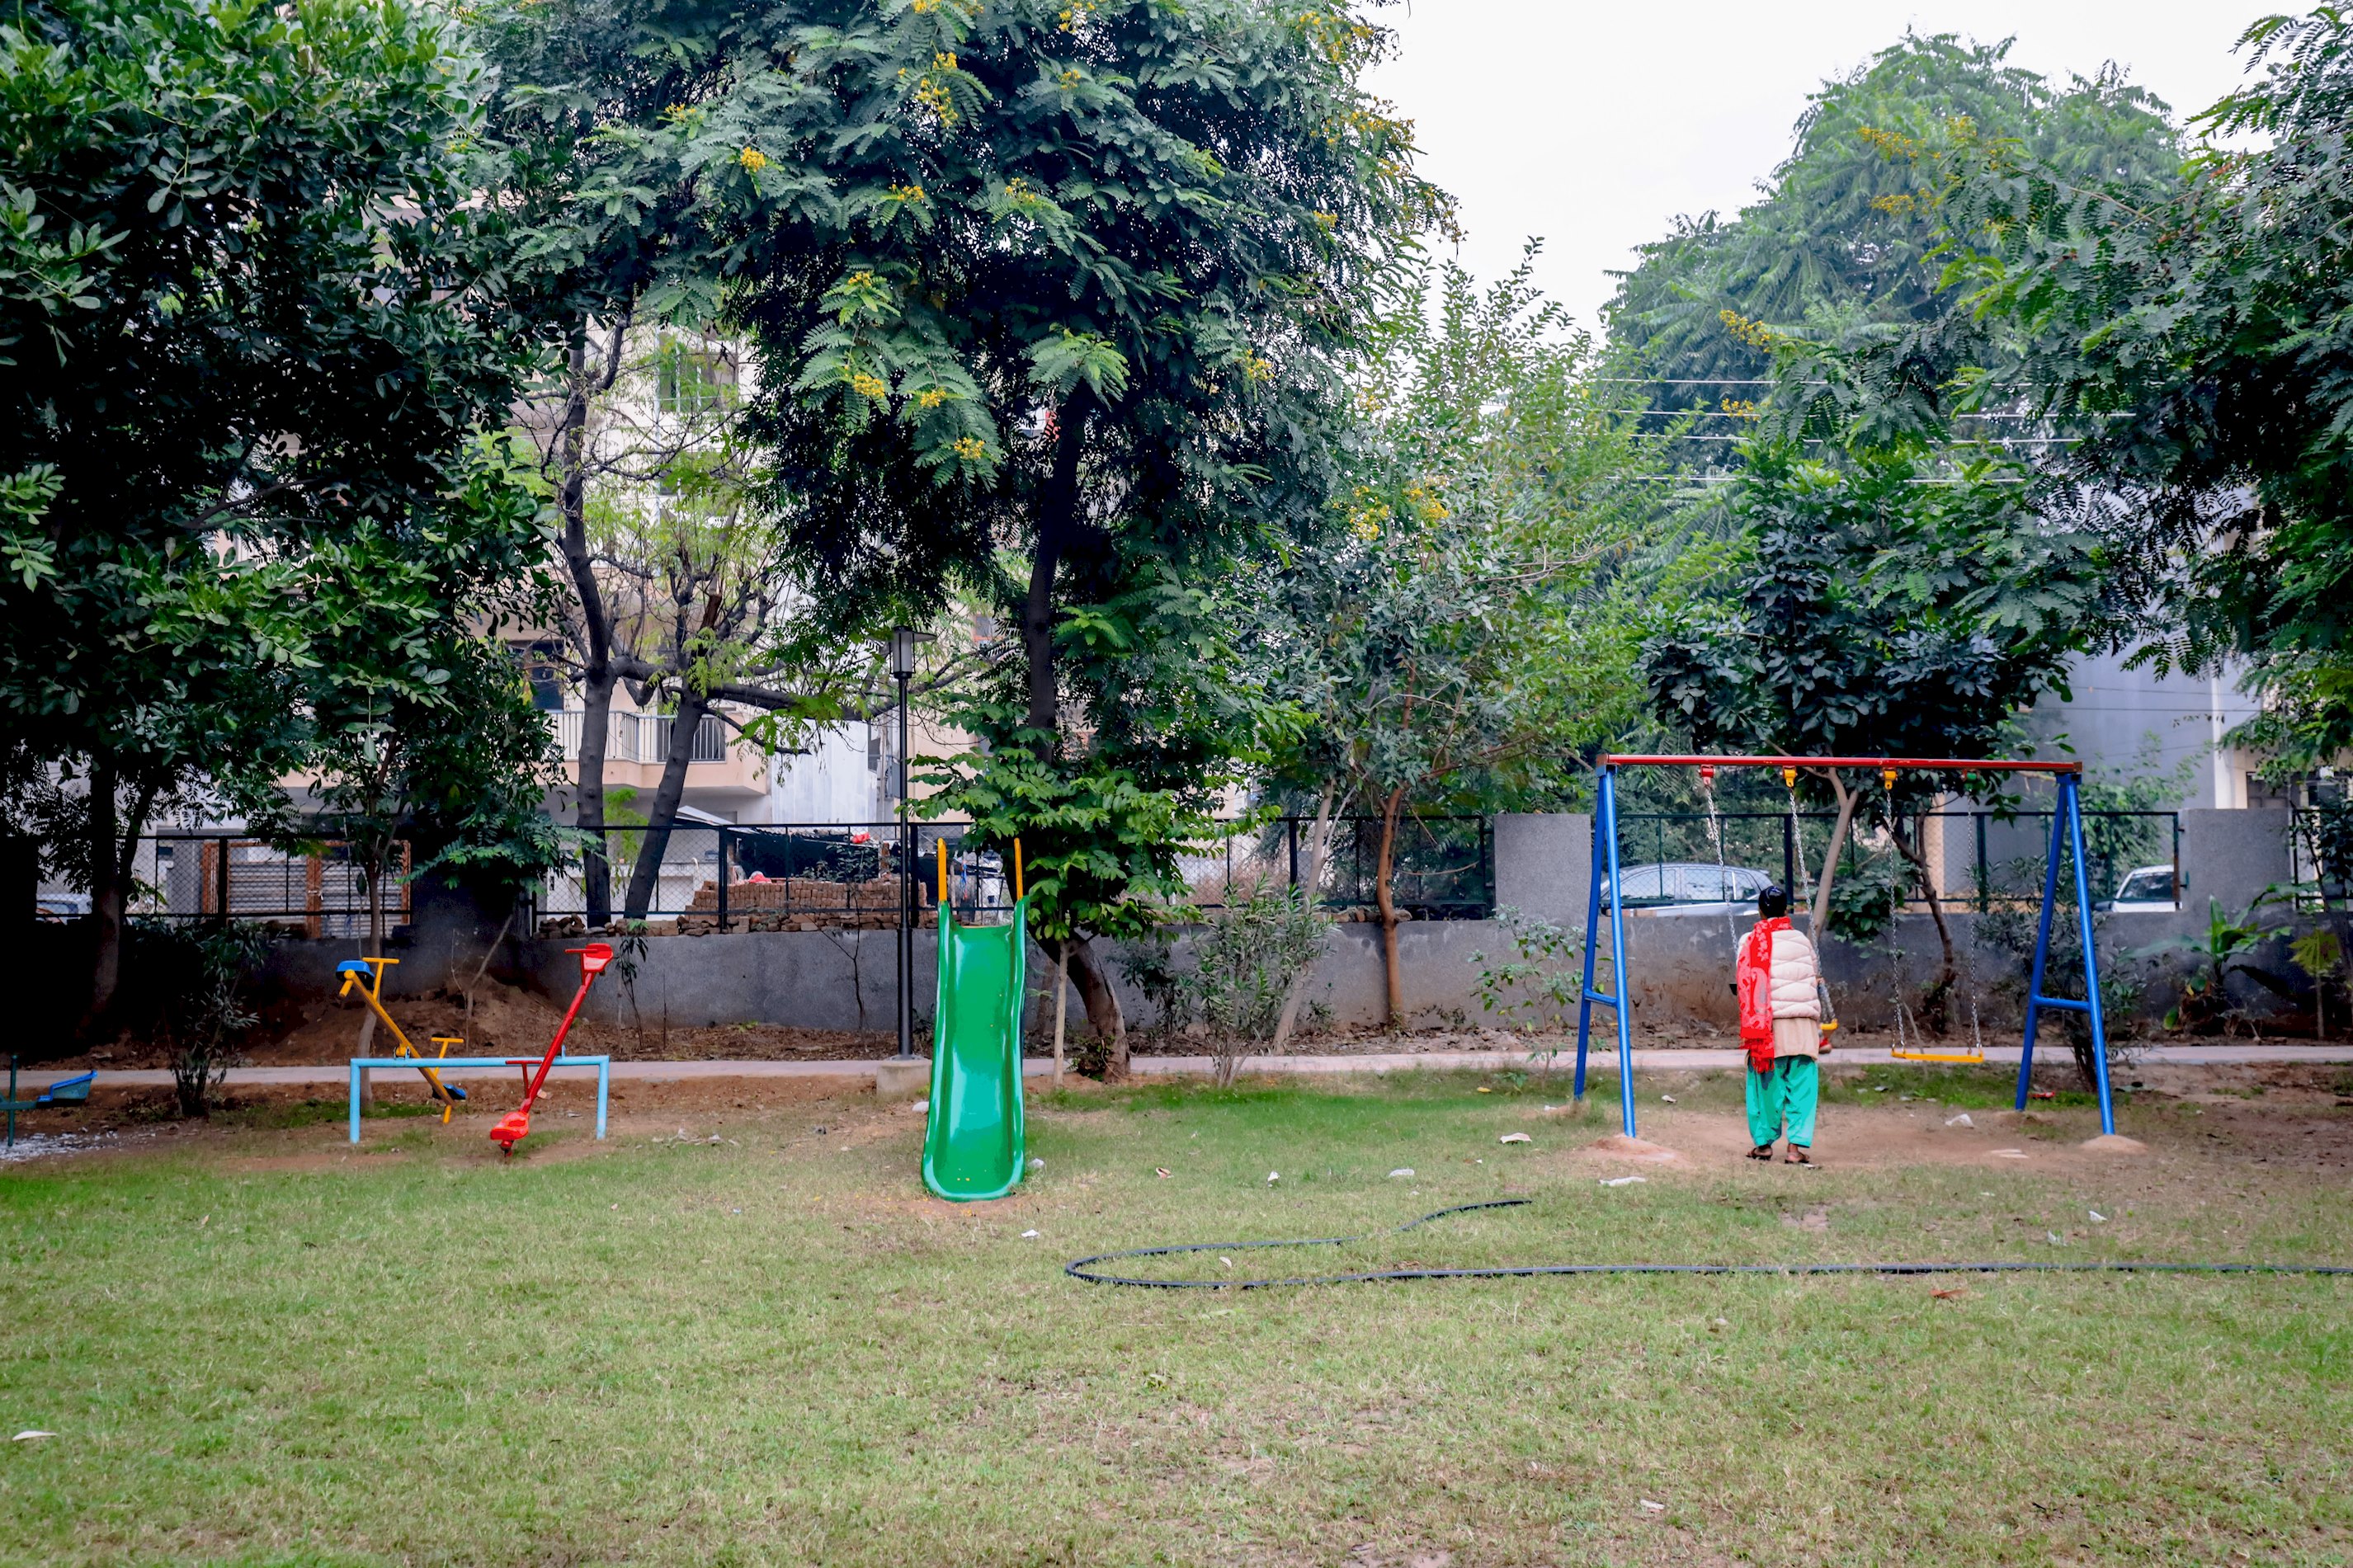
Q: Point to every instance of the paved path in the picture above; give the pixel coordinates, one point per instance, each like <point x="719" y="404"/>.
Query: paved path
<point x="1171" y="1067"/>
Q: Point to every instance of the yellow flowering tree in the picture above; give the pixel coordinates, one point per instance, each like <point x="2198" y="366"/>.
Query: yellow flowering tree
<point x="1051" y="297"/>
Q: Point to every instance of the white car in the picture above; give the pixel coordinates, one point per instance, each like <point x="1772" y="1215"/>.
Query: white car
<point x="2146" y="889"/>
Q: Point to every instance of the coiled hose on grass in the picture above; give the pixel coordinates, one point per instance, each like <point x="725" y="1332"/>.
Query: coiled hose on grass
<point x="1084" y="1267"/>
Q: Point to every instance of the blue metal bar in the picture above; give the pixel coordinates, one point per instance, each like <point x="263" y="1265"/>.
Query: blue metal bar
<point x="603" y="1064"/>
<point x="2071" y="803"/>
<point x="1592" y="936"/>
<point x="2034" y="1002"/>
<point x="2069" y="1002"/>
<point x="1617" y="954"/>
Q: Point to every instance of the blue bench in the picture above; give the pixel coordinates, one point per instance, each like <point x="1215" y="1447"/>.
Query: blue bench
<point x="65" y="1091"/>
<point x="362" y="1066"/>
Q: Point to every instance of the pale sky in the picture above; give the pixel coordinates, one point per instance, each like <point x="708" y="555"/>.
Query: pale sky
<point x="1592" y="125"/>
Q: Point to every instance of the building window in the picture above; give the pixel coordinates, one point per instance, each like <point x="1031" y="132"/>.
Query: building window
<point x="689" y="380"/>
<point x="546" y="679"/>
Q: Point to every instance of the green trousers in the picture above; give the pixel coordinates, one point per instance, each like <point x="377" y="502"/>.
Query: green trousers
<point x="1788" y="1093"/>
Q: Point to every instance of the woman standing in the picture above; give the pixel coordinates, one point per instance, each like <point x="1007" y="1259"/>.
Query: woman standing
<point x="1779" y="981"/>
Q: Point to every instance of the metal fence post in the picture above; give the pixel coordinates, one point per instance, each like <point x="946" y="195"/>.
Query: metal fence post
<point x="723" y="880"/>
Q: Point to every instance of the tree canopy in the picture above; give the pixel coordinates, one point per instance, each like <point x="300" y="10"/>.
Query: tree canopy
<point x="2183" y="342"/>
<point x="254" y="322"/>
<point x="1843" y="241"/>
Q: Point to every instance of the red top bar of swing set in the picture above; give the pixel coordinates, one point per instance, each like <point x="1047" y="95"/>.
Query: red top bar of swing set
<point x="1924" y="764"/>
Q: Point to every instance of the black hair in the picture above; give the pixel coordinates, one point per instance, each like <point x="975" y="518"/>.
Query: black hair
<point x="1773" y="902"/>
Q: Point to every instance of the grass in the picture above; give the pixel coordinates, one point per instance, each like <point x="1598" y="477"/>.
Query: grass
<point x="257" y="1348"/>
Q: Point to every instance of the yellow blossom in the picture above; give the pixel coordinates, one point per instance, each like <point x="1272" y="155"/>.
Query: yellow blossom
<point x="1889" y="144"/>
<point x="1755" y="334"/>
<point x="906" y="193"/>
<point x="971" y="449"/>
<point x="868" y="384"/>
<point x="753" y="159"/>
<point x="931" y="397"/>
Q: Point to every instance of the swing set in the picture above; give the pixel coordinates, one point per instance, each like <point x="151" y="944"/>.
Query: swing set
<point x="2066" y="835"/>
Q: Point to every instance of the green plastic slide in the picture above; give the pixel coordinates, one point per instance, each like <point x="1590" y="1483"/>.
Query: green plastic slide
<point x="973" y="1147"/>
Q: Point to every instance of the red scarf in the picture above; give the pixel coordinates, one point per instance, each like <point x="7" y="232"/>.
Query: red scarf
<point x="1755" y="974"/>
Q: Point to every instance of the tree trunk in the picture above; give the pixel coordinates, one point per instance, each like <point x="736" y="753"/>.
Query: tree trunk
<point x="1102" y="1005"/>
<point x="596" y="673"/>
<point x="646" y="877"/>
<point x="1058" y="508"/>
<point x="113" y="849"/>
<point x="1385" y="898"/>
<point x="1319" y="845"/>
<point x="1818" y="918"/>
<point x="596" y="857"/>
<point x="1062" y="1002"/>
<point x="106" y="899"/>
<point x="1936" y="1003"/>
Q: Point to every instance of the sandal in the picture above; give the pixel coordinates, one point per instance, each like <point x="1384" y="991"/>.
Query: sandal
<point x="1796" y="1156"/>
<point x="1762" y="1152"/>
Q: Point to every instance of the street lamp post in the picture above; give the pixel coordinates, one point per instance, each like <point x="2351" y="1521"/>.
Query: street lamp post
<point x="903" y="669"/>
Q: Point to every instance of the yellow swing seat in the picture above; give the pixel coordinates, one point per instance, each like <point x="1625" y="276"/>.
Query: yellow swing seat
<point x="1903" y="1051"/>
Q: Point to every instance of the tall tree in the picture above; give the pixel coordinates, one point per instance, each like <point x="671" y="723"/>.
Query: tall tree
<point x="1842" y="241"/>
<point x="1889" y="605"/>
<point x="250" y="303"/>
<point x="1050" y="297"/>
<point x="586" y="118"/>
<point x="699" y="602"/>
<point x="2189" y="338"/>
<point x="1460" y="629"/>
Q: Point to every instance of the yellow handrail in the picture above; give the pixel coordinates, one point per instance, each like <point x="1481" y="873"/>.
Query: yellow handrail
<point x="942" y="846"/>
<point x="1017" y="894"/>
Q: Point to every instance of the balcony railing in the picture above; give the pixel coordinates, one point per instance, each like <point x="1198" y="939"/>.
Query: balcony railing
<point x="643" y="737"/>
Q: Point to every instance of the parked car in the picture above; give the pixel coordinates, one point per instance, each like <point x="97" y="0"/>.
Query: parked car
<point x="2146" y="889"/>
<point x="60" y="906"/>
<point x="1689" y="887"/>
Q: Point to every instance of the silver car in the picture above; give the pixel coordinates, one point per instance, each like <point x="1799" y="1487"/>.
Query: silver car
<point x="1689" y="887"/>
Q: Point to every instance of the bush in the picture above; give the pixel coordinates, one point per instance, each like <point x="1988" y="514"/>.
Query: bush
<point x="1244" y="959"/>
<point x="1535" y="989"/>
<point x="194" y="977"/>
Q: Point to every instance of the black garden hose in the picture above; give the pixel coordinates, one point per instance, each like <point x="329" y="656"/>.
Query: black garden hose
<point x="1083" y="1268"/>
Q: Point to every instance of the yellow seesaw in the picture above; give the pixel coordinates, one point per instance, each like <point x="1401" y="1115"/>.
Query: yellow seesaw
<point x="370" y="979"/>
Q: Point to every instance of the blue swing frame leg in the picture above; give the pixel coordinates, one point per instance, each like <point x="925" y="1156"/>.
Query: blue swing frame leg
<point x="1605" y="851"/>
<point x="2067" y="833"/>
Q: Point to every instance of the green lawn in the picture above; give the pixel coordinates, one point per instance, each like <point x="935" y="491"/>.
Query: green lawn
<point x="257" y="1348"/>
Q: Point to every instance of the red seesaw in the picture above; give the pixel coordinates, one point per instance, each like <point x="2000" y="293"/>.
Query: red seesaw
<point x="515" y="1125"/>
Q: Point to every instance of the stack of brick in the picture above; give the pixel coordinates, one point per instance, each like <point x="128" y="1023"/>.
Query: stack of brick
<point x="798" y="894"/>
